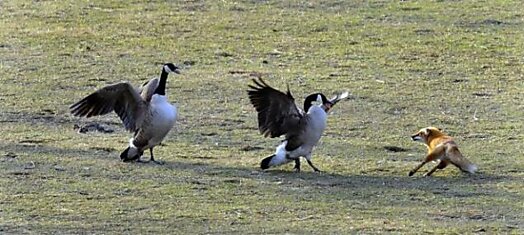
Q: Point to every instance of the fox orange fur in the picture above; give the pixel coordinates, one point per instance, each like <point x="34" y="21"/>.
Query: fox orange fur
<point x="441" y="147"/>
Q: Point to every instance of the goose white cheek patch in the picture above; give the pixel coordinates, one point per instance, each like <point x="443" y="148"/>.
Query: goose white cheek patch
<point x="167" y="69"/>
<point x="319" y="99"/>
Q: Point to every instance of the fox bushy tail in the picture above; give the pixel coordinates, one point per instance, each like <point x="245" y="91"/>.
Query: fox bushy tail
<point x="463" y="163"/>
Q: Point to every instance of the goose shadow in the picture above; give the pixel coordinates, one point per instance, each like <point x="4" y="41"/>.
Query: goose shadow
<point x="462" y="185"/>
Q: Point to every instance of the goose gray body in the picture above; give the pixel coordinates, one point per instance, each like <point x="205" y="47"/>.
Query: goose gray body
<point x="279" y="115"/>
<point x="144" y="111"/>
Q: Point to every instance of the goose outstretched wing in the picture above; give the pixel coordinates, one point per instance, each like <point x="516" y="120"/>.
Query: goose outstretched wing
<point x="148" y="89"/>
<point x="277" y="111"/>
<point x="121" y="97"/>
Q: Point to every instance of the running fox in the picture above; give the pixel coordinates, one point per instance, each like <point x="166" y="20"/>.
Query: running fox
<point x="441" y="147"/>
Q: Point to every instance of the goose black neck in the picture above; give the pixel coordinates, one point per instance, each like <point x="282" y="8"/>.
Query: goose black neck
<point x="161" y="88"/>
<point x="310" y="99"/>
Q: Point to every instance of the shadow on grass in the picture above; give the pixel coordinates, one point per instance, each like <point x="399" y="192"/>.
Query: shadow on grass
<point x="463" y="185"/>
<point x="45" y="116"/>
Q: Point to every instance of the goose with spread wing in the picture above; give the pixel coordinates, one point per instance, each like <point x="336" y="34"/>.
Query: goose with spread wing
<point x="279" y="115"/>
<point x="145" y="111"/>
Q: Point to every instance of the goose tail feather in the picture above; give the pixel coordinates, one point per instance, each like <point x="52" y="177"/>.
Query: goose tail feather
<point x="131" y="153"/>
<point x="279" y="158"/>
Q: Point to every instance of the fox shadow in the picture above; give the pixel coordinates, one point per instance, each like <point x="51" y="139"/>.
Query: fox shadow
<point x="447" y="185"/>
<point x="452" y="185"/>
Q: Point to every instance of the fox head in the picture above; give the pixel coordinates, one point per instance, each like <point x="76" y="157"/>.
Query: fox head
<point x="425" y="134"/>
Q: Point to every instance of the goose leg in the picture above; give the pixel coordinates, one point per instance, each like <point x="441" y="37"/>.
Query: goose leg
<point x="153" y="158"/>
<point x="139" y="158"/>
<point x="311" y="165"/>
<point x="297" y="165"/>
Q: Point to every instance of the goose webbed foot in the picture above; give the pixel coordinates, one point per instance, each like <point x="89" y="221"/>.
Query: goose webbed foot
<point x="158" y="162"/>
<point x="139" y="160"/>
<point x="153" y="158"/>
<point x="150" y="161"/>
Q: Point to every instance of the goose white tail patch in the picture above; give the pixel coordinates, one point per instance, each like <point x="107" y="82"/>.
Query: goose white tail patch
<point x="131" y="145"/>
<point x="280" y="155"/>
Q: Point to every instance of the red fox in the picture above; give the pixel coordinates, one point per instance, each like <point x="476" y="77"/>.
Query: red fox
<point x="441" y="147"/>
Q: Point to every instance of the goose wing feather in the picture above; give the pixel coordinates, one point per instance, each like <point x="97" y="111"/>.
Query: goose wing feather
<point x="148" y="89"/>
<point x="121" y="98"/>
<point x="277" y="112"/>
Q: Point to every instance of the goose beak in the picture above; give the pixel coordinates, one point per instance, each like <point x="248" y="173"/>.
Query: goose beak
<point x="177" y="70"/>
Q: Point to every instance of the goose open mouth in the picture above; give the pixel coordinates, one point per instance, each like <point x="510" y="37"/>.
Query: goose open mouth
<point x="327" y="106"/>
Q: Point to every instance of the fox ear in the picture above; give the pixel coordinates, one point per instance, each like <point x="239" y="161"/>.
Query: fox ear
<point x="428" y="131"/>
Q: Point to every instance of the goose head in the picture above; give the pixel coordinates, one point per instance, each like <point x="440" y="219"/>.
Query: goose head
<point x="318" y="98"/>
<point x="171" y="68"/>
<point x="166" y="69"/>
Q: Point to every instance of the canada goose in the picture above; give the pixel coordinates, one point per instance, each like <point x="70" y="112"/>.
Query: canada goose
<point x="145" y="111"/>
<point x="278" y="115"/>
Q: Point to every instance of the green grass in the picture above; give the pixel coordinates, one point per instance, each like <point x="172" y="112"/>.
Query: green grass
<point x="457" y="65"/>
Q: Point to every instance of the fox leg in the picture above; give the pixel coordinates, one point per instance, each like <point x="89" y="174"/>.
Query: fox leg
<point x="441" y="165"/>
<point x="433" y="155"/>
<point x="412" y="172"/>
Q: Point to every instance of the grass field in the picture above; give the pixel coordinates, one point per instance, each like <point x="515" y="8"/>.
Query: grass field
<point x="457" y="65"/>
